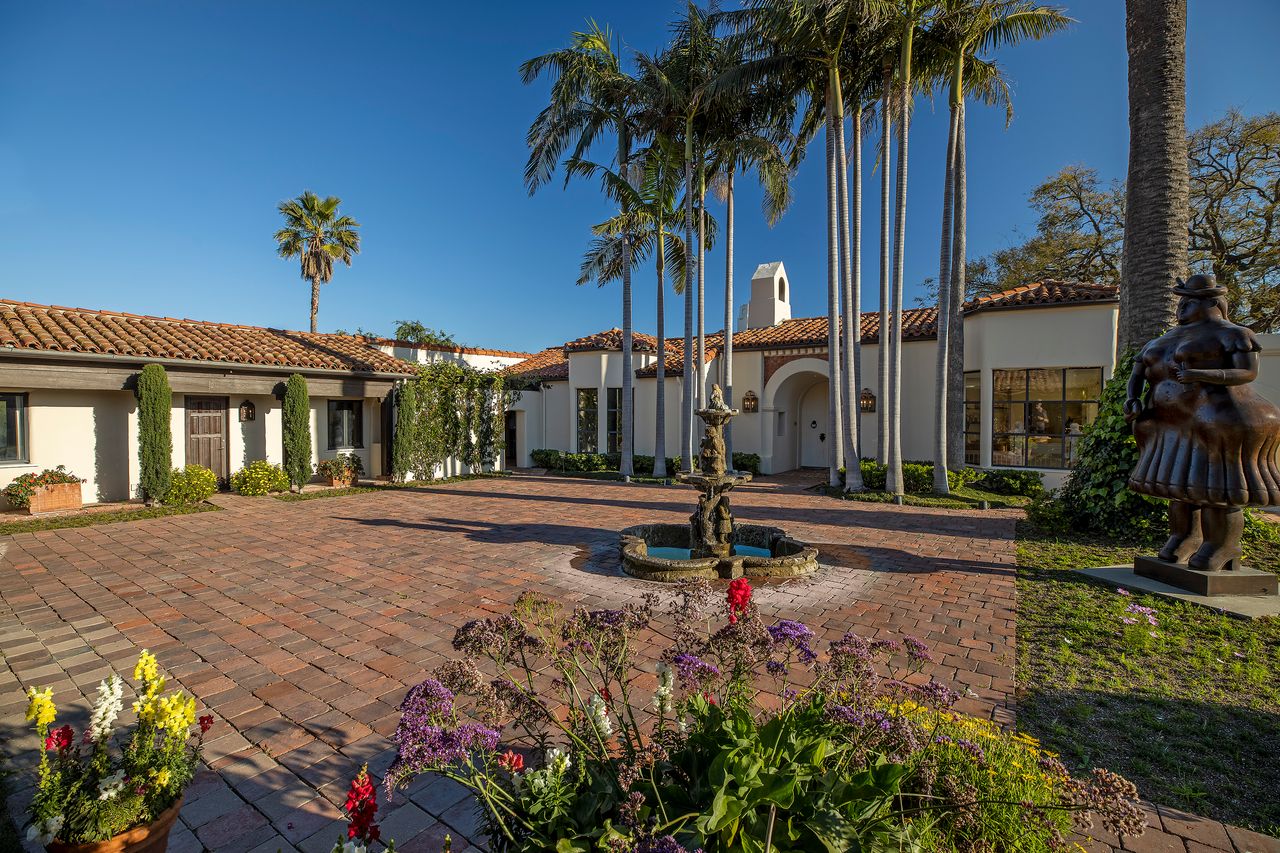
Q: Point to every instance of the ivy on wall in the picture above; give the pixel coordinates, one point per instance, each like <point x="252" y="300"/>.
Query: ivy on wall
<point x="449" y="410"/>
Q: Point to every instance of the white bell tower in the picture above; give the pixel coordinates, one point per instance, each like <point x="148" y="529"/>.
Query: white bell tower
<point x="770" y="296"/>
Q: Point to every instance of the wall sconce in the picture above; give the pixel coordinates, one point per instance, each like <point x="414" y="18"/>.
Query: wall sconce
<point x="867" y="401"/>
<point x="248" y="411"/>
<point x="750" y="402"/>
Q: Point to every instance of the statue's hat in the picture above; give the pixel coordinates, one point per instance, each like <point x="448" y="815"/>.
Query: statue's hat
<point x="1200" y="285"/>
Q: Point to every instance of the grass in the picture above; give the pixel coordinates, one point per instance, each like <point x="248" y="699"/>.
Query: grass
<point x="1189" y="710"/>
<point x="60" y="522"/>
<point x="382" y="487"/>
<point x="614" y="476"/>
<point x="965" y="497"/>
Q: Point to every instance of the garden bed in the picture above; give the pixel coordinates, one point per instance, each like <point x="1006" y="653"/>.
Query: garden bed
<point x="1188" y="708"/>
<point x="965" y="497"/>
<point x="13" y="522"/>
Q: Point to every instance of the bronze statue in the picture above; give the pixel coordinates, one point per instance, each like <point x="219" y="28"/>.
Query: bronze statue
<point x="1206" y="440"/>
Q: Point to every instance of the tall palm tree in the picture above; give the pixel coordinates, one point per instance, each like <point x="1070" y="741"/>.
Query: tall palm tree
<point x="592" y="94"/>
<point x="1155" y="211"/>
<point x="316" y="234"/>
<point x="886" y="243"/>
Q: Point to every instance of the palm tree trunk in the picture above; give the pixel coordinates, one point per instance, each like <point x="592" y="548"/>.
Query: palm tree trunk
<point x="315" y="301"/>
<point x="1155" y="213"/>
<point x="625" y="466"/>
<point x="955" y="334"/>
<point x="702" y="302"/>
<point x="851" y="281"/>
<point x="726" y="350"/>
<point x="660" y="408"/>
<point x="686" y="401"/>
<point x="942" y="349"/>
<point x="893" y="477"/>
<point x="882" y="336"/>
<point x="835" y="443"/>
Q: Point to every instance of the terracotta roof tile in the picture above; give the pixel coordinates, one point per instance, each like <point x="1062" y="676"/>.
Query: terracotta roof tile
<point x="611" y="339"/>
<point x="28" y="326"/>
<point x="546" y="366"/>
<point x="675" y="354"/>
<point x="917" y="324"/>
<point x="461" y="350"/>
<point x="1045" y="293"/>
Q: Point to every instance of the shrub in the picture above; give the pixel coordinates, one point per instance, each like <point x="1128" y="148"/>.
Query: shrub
<point x="404" y="434"/>
<point x="749" y="462"/>
<point x="297" y="431"/>
<point x="260" y="477"/>
<point x="190" y="485"/>
<point x="549" y="459"/>
<point x="20" y="491"/>
<point x="917" y="477"/>
<point x="1004" y="481"/>
<point x="155" y="438"/>
<point x="341" y="467"/>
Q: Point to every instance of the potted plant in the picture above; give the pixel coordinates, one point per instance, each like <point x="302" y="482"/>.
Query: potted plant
<point x="342" y="470"/>
<point x="93" y="798"/>
<point x="52" y="489"/>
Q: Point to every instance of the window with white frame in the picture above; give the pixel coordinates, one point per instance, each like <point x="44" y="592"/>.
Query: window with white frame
<point x="346" y="424"/>
<point x="13" y="427"/>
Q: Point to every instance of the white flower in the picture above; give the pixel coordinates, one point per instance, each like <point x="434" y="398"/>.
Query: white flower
<point x="111" y="786"/>
<point x="666" y="686"/>
<point x="353" y="847"/>
<point x="558" y="761"/>
<point x="107" y="708"/>
<point x="600" y="716"/>
<point x="45" y="831"/>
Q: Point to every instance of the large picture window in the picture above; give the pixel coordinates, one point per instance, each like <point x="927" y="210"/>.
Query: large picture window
<point x="613" y="420"/>
<point x="346" y="424"/>
<point x="1037" y="415"/>
<point x="973" y="418"/>
<point x="588" y="420"/>
<point x="13" y="428"/>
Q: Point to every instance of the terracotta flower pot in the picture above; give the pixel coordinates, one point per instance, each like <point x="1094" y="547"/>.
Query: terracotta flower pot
<point x="53" y="497"/>
<point x="341" y="482"/>
<point x="149" y="838"/>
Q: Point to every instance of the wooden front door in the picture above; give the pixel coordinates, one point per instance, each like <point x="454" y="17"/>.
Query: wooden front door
<point x="207" y="434"/>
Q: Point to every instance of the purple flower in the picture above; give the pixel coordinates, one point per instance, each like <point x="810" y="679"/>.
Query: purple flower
<point x="776" y="668"/>
<point x="917" y="651"/>
<point x="694" y="673"/>
<point x="846" y="714"/>
<point x="664" y="844"/>
<point x="427" y="737"/>
<point x="796" y="635"/>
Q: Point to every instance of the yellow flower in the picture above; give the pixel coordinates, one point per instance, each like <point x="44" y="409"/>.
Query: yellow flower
<point x="161" y="777"/>
<point x="40" y="707"/>
<point x="177" y="712"/>
<point x="147" y="668"/>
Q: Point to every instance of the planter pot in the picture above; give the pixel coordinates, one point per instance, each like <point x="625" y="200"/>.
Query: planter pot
<point x="341" y="482"/>
<point x="58" y="496"/>
<point x="150" y="838"/>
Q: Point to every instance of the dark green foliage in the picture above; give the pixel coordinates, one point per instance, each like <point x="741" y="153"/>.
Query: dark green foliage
<point x="749" y="462"/>
<point x="403" y="435"/>
<point x="1006" y="481"/>
<point x="456" y="412"/>
<point x="917" y="477"/>
<point x="580" y="463"/>
<point x="415" y="332"/>
<point x="297" y="431"/>
<point x="155" y="438"/>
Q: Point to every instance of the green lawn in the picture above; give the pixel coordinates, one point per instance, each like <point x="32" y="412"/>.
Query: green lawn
<point x="59" y="522"/>
<point x="965" y="497"/>
<point x="1188" y="709"/>
<point x="382" y="487"/>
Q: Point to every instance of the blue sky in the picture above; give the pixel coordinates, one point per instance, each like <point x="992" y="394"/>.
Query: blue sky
<point x="144" y="147"/>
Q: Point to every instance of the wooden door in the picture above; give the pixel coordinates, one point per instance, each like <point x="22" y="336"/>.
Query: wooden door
<point x="207" y="434"/>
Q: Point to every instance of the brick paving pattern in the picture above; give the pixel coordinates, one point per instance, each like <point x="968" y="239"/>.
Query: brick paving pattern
<point x="301" y="625"/>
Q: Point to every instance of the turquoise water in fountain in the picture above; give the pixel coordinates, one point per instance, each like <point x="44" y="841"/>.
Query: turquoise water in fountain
<point x="686" y="553"/>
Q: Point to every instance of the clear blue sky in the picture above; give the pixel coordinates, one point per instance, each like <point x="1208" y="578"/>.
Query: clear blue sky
<point x="144" y="147"/>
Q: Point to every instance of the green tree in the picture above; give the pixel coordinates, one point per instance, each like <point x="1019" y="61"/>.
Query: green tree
<point x="415" y="332"/>
<point x="405" y="431"/>
<point x="317" y="235"/>
<point x="297" y="432"/>
<point x="155" y="436"/>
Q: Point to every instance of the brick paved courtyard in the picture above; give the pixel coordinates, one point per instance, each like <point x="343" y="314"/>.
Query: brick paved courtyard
<point x="301" y="625"/>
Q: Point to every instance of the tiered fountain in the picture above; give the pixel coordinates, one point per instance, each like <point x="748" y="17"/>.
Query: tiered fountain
<point x="711" y="545"/>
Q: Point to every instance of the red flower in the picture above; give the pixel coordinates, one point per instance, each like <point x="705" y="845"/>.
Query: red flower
<point x="60" y="739"/>
<point x="206" y="723"/>
<point x="739" y="597"/>
<point x="361" y="807"/>
<point x="711" y="700"/>
<point x="512" y="762"/>
<point x="604" y="694"/>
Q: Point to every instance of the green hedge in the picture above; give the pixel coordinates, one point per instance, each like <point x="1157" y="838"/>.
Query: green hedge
<point x="1004" y="481"/>
<point x="296" y="417"/>
<point x="559" y="460"/>
<point x="155" y="437"/>
<point x="917" y="477"/>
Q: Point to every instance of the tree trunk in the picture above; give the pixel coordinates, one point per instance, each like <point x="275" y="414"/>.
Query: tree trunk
<point x="686" y="400"/>
<point x="942" y="348"/>
<point x="1155" y="214"/>
<point x="882" y="336"/>
<point x="660" y="407"/>
<point x="955" y="333"/>
<point x="726" y="351"/>
<point x="893" y="477"/>
<point x="625" y="466"/>
<point x="851" y="280"/>
<point x="835" y="443"/>
<point x="315" y="301"/>
<point x="702" y="302"/>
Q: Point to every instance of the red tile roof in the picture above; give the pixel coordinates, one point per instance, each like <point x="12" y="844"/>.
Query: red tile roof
<point x="460" y="350"/>
<point x="675" y="354"/>
<point x="52" y="328"/>
<point x="546" y="366"/>
<point x="611" y="339"/>
<point x="1045" y="293"/>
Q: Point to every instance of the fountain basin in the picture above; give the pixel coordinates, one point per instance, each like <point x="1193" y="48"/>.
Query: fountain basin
<point x="650" y="552"/>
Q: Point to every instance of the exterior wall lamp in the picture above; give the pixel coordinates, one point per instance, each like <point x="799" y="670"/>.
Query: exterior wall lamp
<point x="248" y="411"/>
<point x="867" y="401"/>
<point x="750" y="402"/>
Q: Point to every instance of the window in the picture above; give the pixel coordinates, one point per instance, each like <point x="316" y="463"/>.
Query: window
<point x="346" y="423"/>
<point x="13" y="428"/>
<point x="973" y="418"/>
<point x="1037" y="415"/>
<point x="613" y="419"/>
<point x="588" y="420"/>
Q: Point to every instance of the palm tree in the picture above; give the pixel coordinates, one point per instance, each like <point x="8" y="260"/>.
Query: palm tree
<point x="317" y="235"/>
<point x="591" y="95"/>
<point x="882" y="337"/>
<point x="1155" y="213"/>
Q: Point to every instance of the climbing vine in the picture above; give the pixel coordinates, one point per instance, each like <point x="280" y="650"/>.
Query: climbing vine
<point x="449" y="410"/>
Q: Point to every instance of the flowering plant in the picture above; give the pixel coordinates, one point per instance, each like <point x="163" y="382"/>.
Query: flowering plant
<point x="24" y="486"/>
<point x="87" y="794"/>
<point x="361" y="808"/>
<point x="739" y="736"/>
<point x="259" y="477"/>
<point x="344" y="466"/>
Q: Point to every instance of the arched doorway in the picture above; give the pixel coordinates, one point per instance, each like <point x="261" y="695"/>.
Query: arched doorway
<point x="795" y="403"/>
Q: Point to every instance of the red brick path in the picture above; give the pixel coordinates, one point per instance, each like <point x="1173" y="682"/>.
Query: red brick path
<point x="300" y="625"/>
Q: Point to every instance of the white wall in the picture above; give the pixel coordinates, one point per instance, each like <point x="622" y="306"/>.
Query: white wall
<point x="479" y="360"/>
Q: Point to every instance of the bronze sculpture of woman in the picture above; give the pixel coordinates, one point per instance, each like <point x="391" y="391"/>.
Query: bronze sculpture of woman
<point x="1206" y="440"/>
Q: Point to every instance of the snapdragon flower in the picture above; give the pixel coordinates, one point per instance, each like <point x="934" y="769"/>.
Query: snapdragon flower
<point x="600" y="716"/>
<point x="107" y="708"/>
<point x="46" y="830"/>
<point x="666" y="686"/>
<point x="111" y="786"/>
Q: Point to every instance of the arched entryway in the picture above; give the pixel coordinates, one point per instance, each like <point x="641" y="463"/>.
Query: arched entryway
<point x="795" y="406"/>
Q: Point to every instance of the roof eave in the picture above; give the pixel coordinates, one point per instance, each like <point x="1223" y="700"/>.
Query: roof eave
<point x="193" y="362"/>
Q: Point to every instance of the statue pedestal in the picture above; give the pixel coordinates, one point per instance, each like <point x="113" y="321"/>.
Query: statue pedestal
<point x="1238" y="581"/>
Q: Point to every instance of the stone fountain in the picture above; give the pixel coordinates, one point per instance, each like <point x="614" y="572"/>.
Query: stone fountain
<point x="712" y="545"/>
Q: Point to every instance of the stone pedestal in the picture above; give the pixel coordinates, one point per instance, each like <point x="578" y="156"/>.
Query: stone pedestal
<point x="1237" y="581"/>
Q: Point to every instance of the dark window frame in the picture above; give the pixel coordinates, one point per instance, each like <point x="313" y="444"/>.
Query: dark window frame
<point x="356" y="407"/>
<point x="588" y="438"/>
<point x="1026" y="438"/>
<point x="974" y="406"/>
<point x="22" y="446"/>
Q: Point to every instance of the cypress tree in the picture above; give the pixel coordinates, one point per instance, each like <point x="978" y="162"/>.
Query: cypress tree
<point x="297" y="432"/>
<point x="155" y="436"/>
<point x="402" y="438"/>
